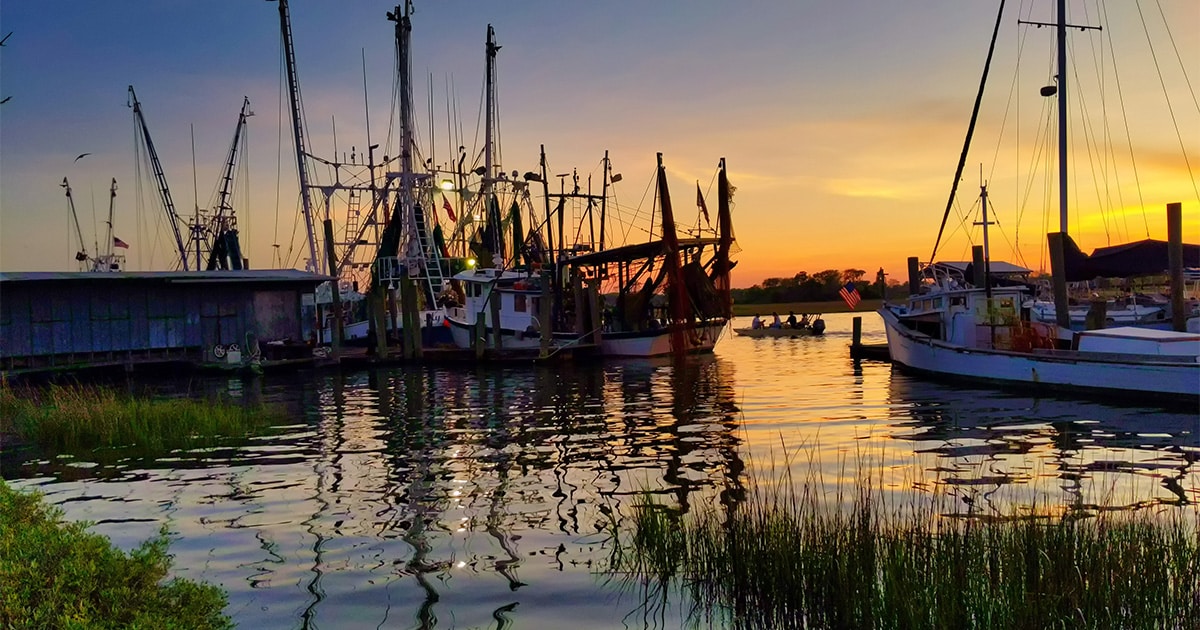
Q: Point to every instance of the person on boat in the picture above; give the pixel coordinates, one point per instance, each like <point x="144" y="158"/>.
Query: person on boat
<point x="757" y="323"/>
<point x="776" y="323"/>
<point x="804" y="323"/>
<point x="791" y="320"/>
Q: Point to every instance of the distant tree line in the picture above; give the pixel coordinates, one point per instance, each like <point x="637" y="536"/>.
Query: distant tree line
<point x="822" y="286"/>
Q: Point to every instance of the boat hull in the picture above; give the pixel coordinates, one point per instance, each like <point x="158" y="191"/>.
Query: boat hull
<point x="700" y="337"/>
<point x="1061" y="370"/>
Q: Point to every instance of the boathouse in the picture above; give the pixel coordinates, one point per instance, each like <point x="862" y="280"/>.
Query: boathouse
<point x="65" y="320"/>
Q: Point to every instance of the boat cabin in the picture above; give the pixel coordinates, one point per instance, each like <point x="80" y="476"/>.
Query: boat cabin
<point x="519" y="295"/>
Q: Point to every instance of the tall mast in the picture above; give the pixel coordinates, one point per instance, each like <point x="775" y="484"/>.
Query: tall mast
<point x="1060" y="88"/>
<point x="403" y="55"/>
<point x="604" y="197"/>
<point x="490" y="131"/>
<point x="1061" y="28"/>
<point x="285" y="26"/>
<point x="490" y="104"/>
<point x="108" y="239"/>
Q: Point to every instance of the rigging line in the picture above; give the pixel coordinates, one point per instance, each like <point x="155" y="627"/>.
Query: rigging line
<point x="1128" y="138"/>
<point x="1182" y="68"/>
<point x="1108" y="132"/>
<point x="1092" y="149"/>
<point x="1103" y="142"/>
<point x="1167" y="97"/>
<point x="971" y="128"/>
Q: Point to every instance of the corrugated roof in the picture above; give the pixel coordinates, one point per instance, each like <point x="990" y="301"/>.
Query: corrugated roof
<point x="180" y="277"/>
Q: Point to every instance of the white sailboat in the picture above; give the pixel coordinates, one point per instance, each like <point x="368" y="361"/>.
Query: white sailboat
<point x="952" y="329"/>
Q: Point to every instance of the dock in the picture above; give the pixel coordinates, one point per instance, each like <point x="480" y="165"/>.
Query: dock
<point x="869" y="351"/>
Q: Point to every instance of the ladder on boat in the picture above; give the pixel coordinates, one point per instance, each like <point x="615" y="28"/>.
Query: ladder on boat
<point x="431" y="258"/>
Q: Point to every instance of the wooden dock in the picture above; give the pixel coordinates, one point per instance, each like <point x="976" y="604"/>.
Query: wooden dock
<point x="870" y="351"/>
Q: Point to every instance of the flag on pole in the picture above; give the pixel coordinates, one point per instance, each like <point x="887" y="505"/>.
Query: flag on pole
<point x="449" y="208"/>
<point x="119" y="243"/>
<point x="700" y="202"/>
<point x="850" y="294"/>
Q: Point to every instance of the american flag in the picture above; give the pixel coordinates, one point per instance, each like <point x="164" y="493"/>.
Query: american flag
<point x="850" y="294"/>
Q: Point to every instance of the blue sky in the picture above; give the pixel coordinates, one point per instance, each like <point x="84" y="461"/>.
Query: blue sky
<point x="841" y="120"/>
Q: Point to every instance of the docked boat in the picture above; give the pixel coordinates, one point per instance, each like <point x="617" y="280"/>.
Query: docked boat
<point x="981" y="330"/>
<point x="669" y="295"/>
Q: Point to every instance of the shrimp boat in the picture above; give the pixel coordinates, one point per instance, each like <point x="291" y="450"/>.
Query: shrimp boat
<point x="952" y="328"/>
<point x="670" y="295"/>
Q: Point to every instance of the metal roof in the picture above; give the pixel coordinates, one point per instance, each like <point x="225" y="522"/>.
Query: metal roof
<point x="170" y="277"/>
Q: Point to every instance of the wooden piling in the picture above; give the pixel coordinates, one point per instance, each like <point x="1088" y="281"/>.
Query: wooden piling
<point x="914" y="276"/>
<point x="335" y="328"/>
<point x="494" y="304"/>
<point x="1058" y="276"/>
<point x="1175" y="265"/>
<point x="545" y="304"/>
<point x="979" y="278"/>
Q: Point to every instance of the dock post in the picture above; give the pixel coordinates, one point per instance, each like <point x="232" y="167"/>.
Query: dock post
<point x="335" y="330"/>
<point x="594" y="301"/>
<point x="856" y="335"/>
<point x="979" y="278"/>
<point x="1175" y="265"/>
<point x="479" y="335"/>
<point x="378" y="308"/>
<point x="914" y="276"/>
<point x="544" y="314"/>
<point x="494" y="302"/>
<point x="1058" y="276"/>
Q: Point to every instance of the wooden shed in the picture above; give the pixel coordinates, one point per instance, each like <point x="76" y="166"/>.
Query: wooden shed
<point x="81" y="319"/>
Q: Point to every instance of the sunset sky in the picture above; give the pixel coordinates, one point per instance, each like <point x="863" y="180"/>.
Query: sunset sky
<point x="841" y="120"/>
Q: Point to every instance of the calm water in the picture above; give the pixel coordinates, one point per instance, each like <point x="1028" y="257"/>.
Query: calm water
<point x="463" y="498"/>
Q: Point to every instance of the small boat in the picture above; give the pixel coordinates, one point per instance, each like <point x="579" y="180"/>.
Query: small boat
<point x="813" y="328"/>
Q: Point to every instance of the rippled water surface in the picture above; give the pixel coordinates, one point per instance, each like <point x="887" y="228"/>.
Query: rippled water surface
<point x="485" y="498"/>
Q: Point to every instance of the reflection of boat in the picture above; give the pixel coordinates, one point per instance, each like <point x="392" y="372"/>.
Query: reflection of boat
<point x="953" y="329"/>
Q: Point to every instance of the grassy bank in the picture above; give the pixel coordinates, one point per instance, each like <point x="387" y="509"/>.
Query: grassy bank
<point x="79" y="417"/>
<point x="866" y="307"/>
<point x="789" y="559"/>
<point x="58" y="575"/>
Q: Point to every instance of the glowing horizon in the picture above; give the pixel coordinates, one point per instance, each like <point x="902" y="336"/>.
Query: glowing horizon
<point x="841" y="122"/>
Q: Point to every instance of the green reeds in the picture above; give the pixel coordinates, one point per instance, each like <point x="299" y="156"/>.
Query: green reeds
<point x="796" y="557"/>
<point x="76" y="417"/>
<point x="55" y="574"/>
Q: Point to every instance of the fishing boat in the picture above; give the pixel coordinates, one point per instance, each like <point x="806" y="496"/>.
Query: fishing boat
<point x="669" y="295"/>
<point x="503" y="302"/>
<point x="981" y="331"/>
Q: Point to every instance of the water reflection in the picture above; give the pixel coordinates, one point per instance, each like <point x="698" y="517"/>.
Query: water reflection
<point x="486" y="497"/>
<point x="1071" y="453"/>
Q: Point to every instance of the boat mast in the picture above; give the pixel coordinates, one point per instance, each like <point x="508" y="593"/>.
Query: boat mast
<point x="1061" y="30"/>
<point x="404" y="62"/>
<point x="285" y="26"/>
<point x="108" y="239"/>
<point x="489" y="131"/>
<point x="222" y="224"/>
<point x="160" y="177"/>
<point x="80" y="256"/>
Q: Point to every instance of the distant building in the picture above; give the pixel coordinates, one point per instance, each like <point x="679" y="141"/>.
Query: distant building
<point x="53" y="320"/>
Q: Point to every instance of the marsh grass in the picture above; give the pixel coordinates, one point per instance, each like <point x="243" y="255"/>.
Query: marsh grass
<point x="55" y="574"/>
<point x="797" y="556"/>
<point x="73" y="418"/>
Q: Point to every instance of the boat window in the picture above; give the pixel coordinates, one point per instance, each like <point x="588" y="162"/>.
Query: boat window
<point x="937" y="303"/>
<point x="519" y="303"/>
<point x="958" y="301"/>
